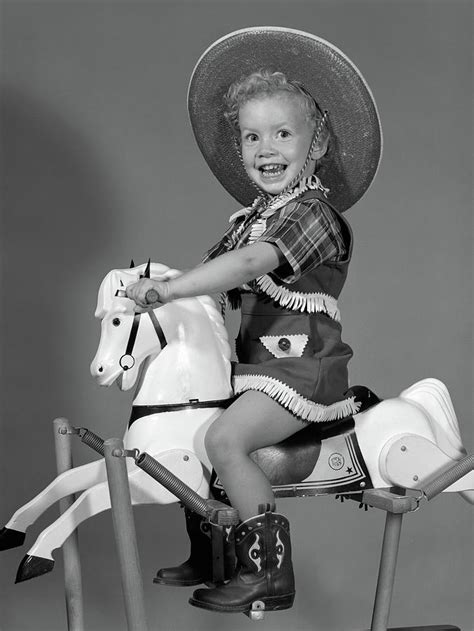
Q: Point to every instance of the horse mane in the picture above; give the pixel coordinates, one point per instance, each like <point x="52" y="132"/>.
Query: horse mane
<point x="217" y="320"/>
<point x="433" y="397"/>
<point x="118" y="279"/>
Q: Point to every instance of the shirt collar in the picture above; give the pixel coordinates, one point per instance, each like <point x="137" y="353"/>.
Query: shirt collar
<point x="267" y="206"/>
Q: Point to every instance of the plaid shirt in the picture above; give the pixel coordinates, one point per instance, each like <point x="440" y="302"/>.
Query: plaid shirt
<point x="307" y="233"/>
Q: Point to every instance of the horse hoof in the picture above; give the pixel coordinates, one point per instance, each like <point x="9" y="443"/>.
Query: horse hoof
<point x="32" y="566"/>
<point x="10" y="538"/>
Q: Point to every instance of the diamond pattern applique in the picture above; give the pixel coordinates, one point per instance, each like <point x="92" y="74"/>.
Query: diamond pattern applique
<point x="281" y="346"/>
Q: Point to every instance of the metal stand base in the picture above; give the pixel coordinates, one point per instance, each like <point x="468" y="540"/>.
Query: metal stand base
<point x="436" y="627"/>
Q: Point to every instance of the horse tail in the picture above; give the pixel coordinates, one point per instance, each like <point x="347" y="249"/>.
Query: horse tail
<point x="433" y="397"/>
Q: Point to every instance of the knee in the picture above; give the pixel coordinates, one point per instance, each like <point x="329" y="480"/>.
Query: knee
<point x="221" y="445"/>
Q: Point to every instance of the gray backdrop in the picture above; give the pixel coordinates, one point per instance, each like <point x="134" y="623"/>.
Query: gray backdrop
<point x="100" y="166"/>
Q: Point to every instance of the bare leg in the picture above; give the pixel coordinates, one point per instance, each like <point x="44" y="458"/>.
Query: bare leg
<point x="264" y="570"/>
<point x="253" y="421"/>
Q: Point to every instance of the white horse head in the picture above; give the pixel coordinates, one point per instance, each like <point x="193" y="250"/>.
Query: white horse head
<point x="196" y="358"/>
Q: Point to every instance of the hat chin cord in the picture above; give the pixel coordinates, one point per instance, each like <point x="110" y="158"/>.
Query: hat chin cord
<point x="314" y="142"/>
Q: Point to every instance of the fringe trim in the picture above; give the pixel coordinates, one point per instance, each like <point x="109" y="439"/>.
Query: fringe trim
<point x="245" y="212"/>
<point x="308" y="183"/>
<point x="298" y="301"/>
<point x="297" y="404"/>
<point x="257" y="229"/>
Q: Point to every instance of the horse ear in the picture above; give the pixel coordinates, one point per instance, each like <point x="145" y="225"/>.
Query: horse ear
<point x="146" y="273"/>
<point x="132" y="263"/>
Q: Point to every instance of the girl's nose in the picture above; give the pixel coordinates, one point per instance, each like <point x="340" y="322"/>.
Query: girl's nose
<point x="266" y="148"/>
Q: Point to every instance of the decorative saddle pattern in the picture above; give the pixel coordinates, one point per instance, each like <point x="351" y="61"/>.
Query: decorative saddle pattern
<point x="322" y="458"/>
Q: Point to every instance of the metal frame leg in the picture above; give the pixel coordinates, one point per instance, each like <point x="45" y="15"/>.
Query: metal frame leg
<point x="72" y="563"/>
<point x="125" y="535"/>
<point x="395" y="506"/>
<point x="386" y="578"/>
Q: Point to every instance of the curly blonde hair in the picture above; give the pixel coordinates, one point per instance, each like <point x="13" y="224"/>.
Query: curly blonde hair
<point x="267" y="83"/>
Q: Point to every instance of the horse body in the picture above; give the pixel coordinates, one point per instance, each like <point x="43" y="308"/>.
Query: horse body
<point x="395" y="442"/>
<point x="178" y="358"/>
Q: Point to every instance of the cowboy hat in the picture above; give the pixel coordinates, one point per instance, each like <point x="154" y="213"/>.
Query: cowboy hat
<point x="327" y="74"/>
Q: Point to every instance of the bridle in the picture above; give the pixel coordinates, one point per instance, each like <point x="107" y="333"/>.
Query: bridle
<point x="127" y="360"/>
<point x="139" y="411"/>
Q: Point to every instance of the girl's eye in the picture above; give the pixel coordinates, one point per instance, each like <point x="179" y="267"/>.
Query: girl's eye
<point x="251" y="138"/>
<point x="116" y="321"/>
<point x="283" y="133"/>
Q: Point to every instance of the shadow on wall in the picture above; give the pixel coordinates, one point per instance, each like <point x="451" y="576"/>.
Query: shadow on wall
<point x="56" y="216"/>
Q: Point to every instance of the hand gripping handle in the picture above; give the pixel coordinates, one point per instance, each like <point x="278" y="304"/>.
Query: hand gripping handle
<point x="152" y="296"/>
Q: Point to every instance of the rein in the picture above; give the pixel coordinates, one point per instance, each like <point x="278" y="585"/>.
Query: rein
<point x="139" y="411"/>
<point x="127" y="360"/>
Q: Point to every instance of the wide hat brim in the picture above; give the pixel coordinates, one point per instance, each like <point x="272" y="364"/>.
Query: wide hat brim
<point x="332" y="79"/>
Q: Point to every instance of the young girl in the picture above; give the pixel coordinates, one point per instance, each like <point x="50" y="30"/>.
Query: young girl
<point x="289" y="127"/>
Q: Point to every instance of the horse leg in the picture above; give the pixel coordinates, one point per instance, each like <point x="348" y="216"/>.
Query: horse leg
<point x="72" y="481"/>
<point x="39" y="559"/>
<point x="94" y="500"/>
<point x="143" y="490"/>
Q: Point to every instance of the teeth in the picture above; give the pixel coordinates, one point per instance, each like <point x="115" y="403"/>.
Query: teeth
<point x="272" y="169"/>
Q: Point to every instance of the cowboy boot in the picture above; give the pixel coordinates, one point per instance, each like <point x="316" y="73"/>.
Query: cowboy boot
<point x="264" y="569"/>
<point x="198" y="568"/>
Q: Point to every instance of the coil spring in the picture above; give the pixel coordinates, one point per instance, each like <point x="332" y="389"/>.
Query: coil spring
<point x="162" y="475"/>
<point x="92" y="440"/>
<point x="450" y="476"/>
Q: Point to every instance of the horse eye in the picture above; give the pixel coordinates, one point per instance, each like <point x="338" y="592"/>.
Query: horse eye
<point x="116" y="321"/>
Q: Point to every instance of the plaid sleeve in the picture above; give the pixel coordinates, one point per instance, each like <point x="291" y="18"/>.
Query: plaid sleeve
<point x="307" y="234"/>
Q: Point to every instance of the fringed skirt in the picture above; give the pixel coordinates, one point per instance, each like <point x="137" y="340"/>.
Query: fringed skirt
<point x="296" y="358"/>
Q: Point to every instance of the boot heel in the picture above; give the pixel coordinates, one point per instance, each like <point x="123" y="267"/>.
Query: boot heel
<point x="275" y="603"/>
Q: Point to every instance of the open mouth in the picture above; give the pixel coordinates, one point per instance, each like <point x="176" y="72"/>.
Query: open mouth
<point x="269" y="171"/>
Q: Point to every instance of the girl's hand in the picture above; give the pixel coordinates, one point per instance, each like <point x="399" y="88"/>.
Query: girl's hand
<point x="138" y="292"/>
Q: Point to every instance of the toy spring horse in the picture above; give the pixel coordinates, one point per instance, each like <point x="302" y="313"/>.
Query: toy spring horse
<point x="188" y="355"/>
<point x="178" y="357"/>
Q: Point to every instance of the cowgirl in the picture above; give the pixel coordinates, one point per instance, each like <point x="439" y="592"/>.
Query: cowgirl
<point x="296" y="143"/>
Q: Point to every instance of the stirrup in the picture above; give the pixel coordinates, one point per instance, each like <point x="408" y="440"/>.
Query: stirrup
<point x="257" y="611"/>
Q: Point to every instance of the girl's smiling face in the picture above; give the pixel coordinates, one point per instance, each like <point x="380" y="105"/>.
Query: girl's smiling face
<point x="276" y="136"/>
